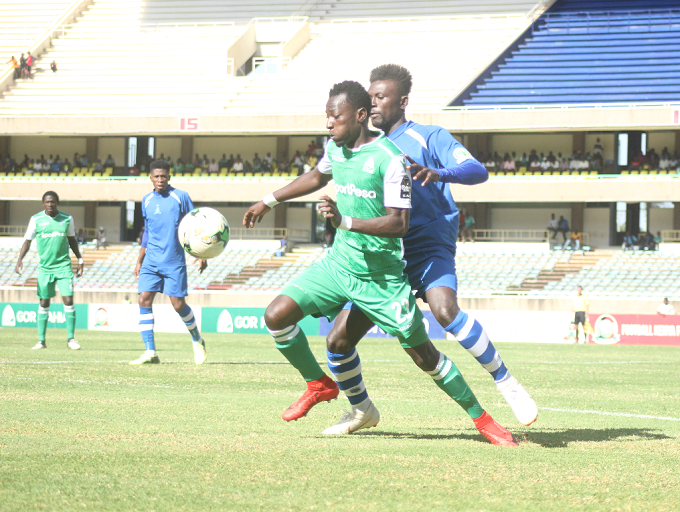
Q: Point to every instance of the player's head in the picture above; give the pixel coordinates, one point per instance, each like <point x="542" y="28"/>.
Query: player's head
<point x="579" y="290"/>
<point x="665" y="300"/>
<point x="347" y="112"/>
<point x="160" y="175"/>
<point x="389" y="90"/>
<point x="50" y="201"/>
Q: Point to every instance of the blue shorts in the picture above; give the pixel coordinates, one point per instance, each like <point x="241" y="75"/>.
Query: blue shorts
<point x="170" y="281"/>
<point x="431" y="269"/>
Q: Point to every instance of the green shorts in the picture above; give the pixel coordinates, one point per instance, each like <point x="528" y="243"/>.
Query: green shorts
<point x="62" y="278"/>
<point x="323" y="290"/>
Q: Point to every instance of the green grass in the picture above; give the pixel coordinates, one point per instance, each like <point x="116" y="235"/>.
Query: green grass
<point x="84" y="430"/>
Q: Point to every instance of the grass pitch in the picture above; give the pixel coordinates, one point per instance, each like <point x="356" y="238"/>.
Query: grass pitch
<point x="84" y="430"/>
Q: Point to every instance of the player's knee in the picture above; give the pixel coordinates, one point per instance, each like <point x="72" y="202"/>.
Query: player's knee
<point x="275" y="317"/>
<point x="338" y="344"/>
<point x="445" y="312"/>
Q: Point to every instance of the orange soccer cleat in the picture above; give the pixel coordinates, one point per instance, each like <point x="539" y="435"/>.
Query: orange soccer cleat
<point x="322" y="390"/>
<point x="495" y="433"/>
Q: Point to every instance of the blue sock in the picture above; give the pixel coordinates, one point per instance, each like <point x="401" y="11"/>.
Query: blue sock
<point x="146" y="327"/>
<point x="190" y="321"/>
<point x="472" y="336"/>
<point x="346" y="369"/>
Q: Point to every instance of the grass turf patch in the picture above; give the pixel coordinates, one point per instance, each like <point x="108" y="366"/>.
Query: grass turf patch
<point x="83" y="429"/>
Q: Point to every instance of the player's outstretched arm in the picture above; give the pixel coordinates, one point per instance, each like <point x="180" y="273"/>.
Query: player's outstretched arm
<point x="22" y="253"/>
<point x="73" y="244"/>
<point x="392" y="225"/>
<point x="300" y="186"/>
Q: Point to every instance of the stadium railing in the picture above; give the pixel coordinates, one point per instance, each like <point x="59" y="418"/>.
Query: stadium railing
<point x="518" y="235"/>
<point x="21" y="230"/>
<point x="670" y="236"/>
<point x="295" y="235"/>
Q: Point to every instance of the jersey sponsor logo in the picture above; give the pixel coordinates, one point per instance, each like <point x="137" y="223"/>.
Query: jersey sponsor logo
<point x="352" y="190"/>
<point x="158" y="210"/>
<point x="369" y="166"/>
<point x="51" y="235"/>
<point x="461" y="154"/>
<point x="405" y="192"/>
<point x="338" y="158"/>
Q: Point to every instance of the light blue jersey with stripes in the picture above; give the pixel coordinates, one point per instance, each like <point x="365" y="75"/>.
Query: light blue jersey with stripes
<point x="162" y="214"/>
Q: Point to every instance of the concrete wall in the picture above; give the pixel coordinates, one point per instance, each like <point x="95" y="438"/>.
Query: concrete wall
<point x="109" y="218"/>
<point x="513" y="217"/>
<point x="169" y="147"/>
<point x="660" y="140"/>
<point x="114" y="146"/>
<point x="298" y="143"/>
<point x="20" y="212"/>
<point x="215" y="147"/>
<point x="65" y="147"/>
<point x="596" y="224"/>
<point x="660" y="219"/>
<point x="525" y="142"/>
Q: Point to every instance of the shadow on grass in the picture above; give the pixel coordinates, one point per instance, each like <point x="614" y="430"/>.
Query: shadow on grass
<point x="549" y="438"/>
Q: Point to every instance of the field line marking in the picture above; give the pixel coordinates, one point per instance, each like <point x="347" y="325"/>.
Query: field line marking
<point x="604" y="413"/>
<point x="108" y="383"/>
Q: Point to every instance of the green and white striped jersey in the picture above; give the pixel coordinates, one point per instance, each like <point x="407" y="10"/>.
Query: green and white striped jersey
<point x="52" y="233"/>
<point x="368" y="179"/>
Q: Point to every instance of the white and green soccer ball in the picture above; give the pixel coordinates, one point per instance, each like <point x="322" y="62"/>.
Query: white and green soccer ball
<point x="203" y="233"/>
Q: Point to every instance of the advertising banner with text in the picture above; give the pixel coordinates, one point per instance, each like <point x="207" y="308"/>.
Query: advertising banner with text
<point x="609" y="329"/>
<point x="125" y="318"/>
<point x="25" y="314"/>
<point x="246" y="321"/>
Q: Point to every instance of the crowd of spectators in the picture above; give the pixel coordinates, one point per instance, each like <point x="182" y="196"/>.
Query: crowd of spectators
<point x="643" y="241"/>
<point x="53" y="163"/>
<point x="23" y="68"/>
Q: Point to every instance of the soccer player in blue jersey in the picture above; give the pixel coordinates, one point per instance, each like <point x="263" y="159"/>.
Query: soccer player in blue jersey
<point x="161" y="265"/>
<point x="430" y="247"/>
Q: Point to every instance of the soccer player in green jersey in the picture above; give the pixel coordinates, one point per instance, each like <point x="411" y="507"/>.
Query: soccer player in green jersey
<point x="55" y="232"/>
<point x="364" y="266"/>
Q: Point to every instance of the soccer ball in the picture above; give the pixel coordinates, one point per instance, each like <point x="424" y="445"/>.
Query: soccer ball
<point x="203" y="233"/>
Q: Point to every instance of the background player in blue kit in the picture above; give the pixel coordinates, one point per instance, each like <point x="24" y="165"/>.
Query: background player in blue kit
<point x="430" y="244"/>
<point x="161" y="265"/>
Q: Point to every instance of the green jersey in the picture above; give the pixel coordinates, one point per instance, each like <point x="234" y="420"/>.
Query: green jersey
<point x="52" y="233"/>
<point x="368" y="180"/>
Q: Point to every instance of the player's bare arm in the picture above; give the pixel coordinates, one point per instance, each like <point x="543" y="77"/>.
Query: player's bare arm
<point x="392" y="225"/>
<point x="140" y="260"/>
<point x="73" y="244"/>
<point x="302" y="185"/>
<point x="24" y="249"/>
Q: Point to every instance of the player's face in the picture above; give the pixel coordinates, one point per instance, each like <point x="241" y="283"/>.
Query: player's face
<point x="50" y="203"/>
<point x="343" y="120"/>
<point x="160" y="179"/>
<point x="387" y="106"/>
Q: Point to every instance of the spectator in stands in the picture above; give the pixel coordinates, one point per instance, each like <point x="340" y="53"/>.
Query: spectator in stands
<point x="126" y="300"/>
<point x="653" y="159"/>
<point x="629" y="241"/>
<point x="580" y="310"/>
<point x="22" y="66"/>
<point x="647" y="242"/>
<point x="658" y="239"/>
<point x="598" y="148"/>
<point x="564" y="164"/>
<point x="675" y="160"/>
<point x="268" y="158"/>
<point x="214" y="167"/>
<point x="16" y="66"/>
<point x="29" y="64"/>
<point x="310" y="162"/>
<point x="524" y="161"/>
<point x="257" y="163"/>
<point x="532" y="156"/>
<point x="546" y="165"/>
<point x="133" y="170"/>
<point x="508" y="164"/>
<point x="553" y="226"/>
<point x="563" y="227"/>
<point x="490" y="163"/>
<point x="665" y="308"/>
<point x="468" y="230"/>
<point x="197" y="162"/>
<point x="53" y="66"/>
<point x="67" y="166"/>
<point x="77" y="162"/>
<point x="179" y="166"/>
<point x="665" y="160"/>
<point x="461" y="224"/>
<point x="266" y="166"/>
<point x="109" y="162"/>
<point x="534" y="165"/>
<point x="56" y="164"/>
<point x="238" y="165"/>
<point x="284" y="246"/>
<point x="299" y="160"/>
<point x="28" y="170"/>
<point x="223" y="161"/>
<point x="80" y="237"/>
<point x="576" y="240"/>
<point x="311" y="149"/>
<point x="84" y="162"/>
<point x="230" y="161"/>
<point x="37" y="165"/>
<point x="101" y="238"/>
<point x="205" y="163"/>
<point x="98" y="167"/>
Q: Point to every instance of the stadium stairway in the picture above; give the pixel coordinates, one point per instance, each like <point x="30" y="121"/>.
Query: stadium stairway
<point x="589" y="52"/>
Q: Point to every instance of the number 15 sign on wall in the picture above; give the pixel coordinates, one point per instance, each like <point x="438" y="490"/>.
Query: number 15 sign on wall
<point x="189" y="124"/>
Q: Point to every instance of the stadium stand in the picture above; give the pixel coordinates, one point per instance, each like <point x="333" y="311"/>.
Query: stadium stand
<point x="590" y="52"/>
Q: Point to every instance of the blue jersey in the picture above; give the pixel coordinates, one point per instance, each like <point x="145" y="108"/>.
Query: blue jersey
<point x="434" y="215"/>
<point x="162" y="214"/>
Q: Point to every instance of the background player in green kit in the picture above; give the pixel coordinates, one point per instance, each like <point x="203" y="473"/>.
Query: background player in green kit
<point x="364" y="266"/>
<point x="55" y="232"/>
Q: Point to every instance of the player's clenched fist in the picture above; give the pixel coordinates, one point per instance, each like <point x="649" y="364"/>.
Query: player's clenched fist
<point x="330" y="210"/>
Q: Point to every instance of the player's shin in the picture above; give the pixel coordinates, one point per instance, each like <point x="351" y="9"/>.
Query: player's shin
<point x="146" y="328"/>
<point x="346" y="369"/>
<point x="449" y="379"/>
<point x="472" y="336"/>
<point x="43" y="315"/>
<point x="293" y="344"/>
<point x="70" y="314"/>
<point x="189" y="320"/>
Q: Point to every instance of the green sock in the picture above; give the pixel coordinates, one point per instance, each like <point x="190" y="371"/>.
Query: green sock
<point x="448" y="378"/>
<point x="292" y="343"/>
<point x="70" y="314"/>
<point x="43" y="315"/>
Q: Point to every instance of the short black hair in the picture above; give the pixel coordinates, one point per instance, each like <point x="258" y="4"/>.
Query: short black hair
<point x="50" y="193"/>
<point x="160" y="164"/>
<point x="357" y="96"/>
<point x="396" y="73"/>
